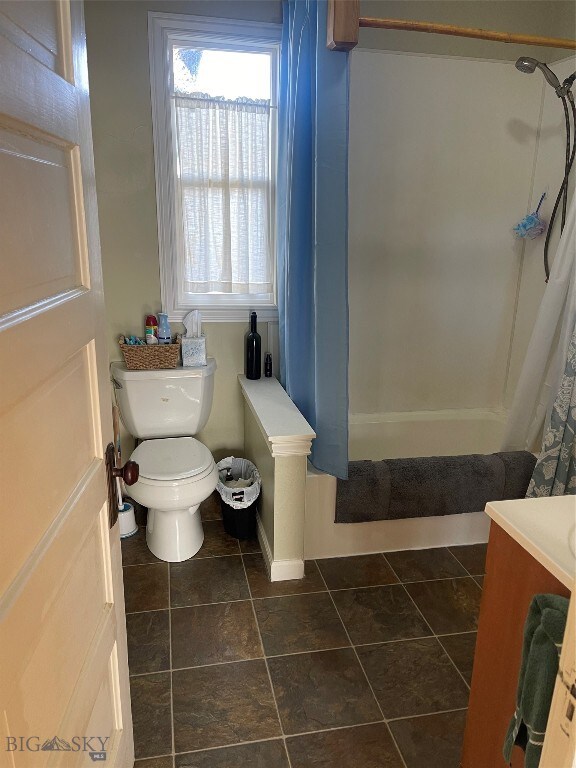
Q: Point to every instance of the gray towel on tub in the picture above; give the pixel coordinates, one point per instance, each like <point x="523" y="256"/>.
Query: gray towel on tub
<point x="518" y="466"/>
<point x="366" y="491"/>
<point x="430" y="486"/>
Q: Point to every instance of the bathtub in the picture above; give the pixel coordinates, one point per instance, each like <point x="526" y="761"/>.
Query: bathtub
<point x="401" y="435"/>
<point x="424" y="433"/>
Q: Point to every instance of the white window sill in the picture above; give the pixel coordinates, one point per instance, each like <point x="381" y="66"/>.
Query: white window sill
<point x="227" y="314"/>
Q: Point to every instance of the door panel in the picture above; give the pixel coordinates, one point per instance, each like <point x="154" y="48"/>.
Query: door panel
<point x="64" y="675"/>
<point x="37" y="212"/>
<point x="25" y="337"/>
<point x="67" y="448"/>
<point x="36" y="27"/>
<point x="55" y="650"/>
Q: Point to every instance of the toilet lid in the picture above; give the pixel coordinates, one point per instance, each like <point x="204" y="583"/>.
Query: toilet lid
<point x="172" y="458"/>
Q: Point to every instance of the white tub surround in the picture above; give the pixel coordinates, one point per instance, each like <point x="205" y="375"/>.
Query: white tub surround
<point x="277" y="438"/>
<point x="409" y="434"/>
<point x="442" y="298"/>
<point x="325" y="538"/>
<point x="545" y="528"/>
<point x="393" y="435"/>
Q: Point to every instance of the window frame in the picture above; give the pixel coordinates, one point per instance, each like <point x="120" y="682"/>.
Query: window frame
<point x="165" y="31"/>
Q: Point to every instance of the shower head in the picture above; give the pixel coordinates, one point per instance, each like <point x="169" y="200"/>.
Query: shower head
<point x="529" y="65"/>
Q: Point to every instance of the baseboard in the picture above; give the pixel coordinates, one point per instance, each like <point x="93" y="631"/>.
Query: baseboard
<point x="278" y="570"/>
<point x="286" y="570"/>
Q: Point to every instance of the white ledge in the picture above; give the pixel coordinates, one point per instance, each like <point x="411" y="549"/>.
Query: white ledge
<point x="281" y="423"/>
<point x="545" y="528"/>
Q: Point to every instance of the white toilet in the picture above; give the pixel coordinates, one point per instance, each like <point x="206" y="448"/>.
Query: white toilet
<point x="164" y="408"/>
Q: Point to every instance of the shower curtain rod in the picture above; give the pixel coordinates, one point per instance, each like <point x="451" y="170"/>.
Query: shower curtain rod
<point x="344" y="21"/>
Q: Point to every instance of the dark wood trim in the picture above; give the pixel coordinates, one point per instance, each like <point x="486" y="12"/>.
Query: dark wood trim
<point x="343" y="26"/>
<point x="472" y="32"/>
<point x="344" y="21"/>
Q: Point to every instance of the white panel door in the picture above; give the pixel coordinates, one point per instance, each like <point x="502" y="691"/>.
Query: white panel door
<point x="64" y="693"/>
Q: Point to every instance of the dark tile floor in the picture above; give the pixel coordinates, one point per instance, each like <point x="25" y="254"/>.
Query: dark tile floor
<point x="364" y="662"/>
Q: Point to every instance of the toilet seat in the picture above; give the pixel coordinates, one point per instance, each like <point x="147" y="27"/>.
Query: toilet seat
<point x="172" y="458"/>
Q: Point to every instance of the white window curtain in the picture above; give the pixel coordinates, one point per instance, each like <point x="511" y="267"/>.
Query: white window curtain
<point x="223" y="190"/>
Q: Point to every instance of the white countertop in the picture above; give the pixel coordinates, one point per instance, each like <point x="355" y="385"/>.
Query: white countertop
<point x="544" y="527"/>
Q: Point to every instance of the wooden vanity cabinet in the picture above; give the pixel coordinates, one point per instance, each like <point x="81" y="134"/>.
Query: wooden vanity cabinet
<point x="512" y="578"/>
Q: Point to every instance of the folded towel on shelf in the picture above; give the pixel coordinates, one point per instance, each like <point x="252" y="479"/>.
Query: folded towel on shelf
<point x="543" y="635"/>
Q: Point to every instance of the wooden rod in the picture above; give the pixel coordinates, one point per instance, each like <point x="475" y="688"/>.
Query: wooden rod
<point x="480" y="34"/>
<point x="342" y="26"/>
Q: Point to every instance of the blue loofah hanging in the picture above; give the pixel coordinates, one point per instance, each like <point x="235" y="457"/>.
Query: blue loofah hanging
<point x="532" y="225"/>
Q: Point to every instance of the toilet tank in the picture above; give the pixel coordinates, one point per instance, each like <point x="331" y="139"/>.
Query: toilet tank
<point x="171" y="402"/>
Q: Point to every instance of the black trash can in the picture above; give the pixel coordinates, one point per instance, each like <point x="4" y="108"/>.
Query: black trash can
<point x="239" y="504"/>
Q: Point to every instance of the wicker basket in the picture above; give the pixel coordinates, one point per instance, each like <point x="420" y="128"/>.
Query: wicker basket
<point x="147" y="357"/>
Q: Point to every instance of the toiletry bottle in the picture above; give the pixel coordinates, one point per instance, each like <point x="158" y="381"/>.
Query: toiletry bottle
<point x="164" y="333"/>
<point x="268" y="365"/>
<point x="151" y="326"/>
<point x="253" y="353"/>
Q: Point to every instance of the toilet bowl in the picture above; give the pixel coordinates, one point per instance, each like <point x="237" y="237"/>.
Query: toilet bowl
<point x="164" y="409"/>
<point x="176" y="475"/>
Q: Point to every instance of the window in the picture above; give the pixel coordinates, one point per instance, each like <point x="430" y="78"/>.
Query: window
<point x="214" y="118"/>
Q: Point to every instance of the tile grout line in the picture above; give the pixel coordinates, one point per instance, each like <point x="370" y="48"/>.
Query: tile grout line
<point x="170" y="648"/>
<point x="193" y="559"/>
<point x="288" y="736"/>
<point x="472" y="575"/>
<point x="283" y="735"/>
<point x="170" y="657"/>
<point x="138" y="565"/>
<point x="451" y="634"/>
<point x="363" y="670"/>
<point x="306" y="733"/>
<point x="206" y="605"/>
<point x="438" y="638"/>
<point x="300" y="653"/>
<point x="458" y="561"/>
<point x="292" y="594"/>
<point x="453" y="662"/>
<point x="217" y="748"/>
<point x="336" y="728"/>
<point x="428" y="714"/>
<point x="196" y="605"/>
<point x="433" y="633"/>
<point x="150" y="610"/>
<point x="430" y="627"/>
<point x="399" y="582"/>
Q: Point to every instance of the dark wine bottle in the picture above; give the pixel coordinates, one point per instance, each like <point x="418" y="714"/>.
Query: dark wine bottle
<point x="253" y="353"/>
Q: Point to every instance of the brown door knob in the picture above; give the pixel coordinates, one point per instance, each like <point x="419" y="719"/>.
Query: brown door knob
<point x="129" y="472"/>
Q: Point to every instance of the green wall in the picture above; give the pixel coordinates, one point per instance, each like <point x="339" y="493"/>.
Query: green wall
<point x="117" y="40"/>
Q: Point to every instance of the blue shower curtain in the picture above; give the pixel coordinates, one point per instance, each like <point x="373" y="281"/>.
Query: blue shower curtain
<point x="313" y="229"/>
